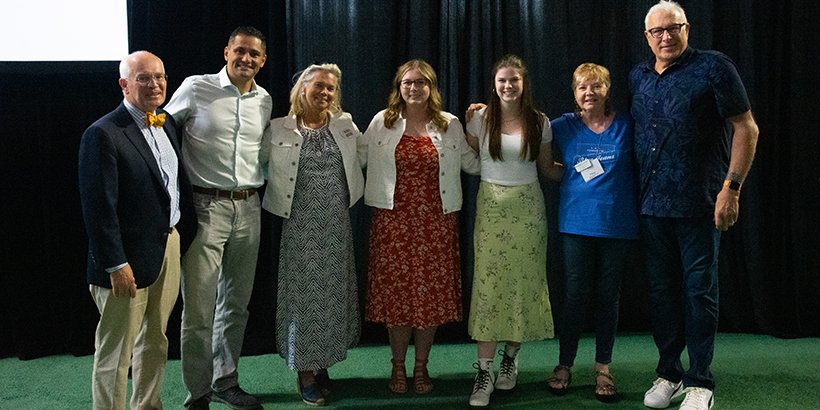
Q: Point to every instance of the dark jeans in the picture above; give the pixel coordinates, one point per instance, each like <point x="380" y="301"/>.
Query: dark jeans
<point x="591" y="263"/>
<point x="682" y="265"/>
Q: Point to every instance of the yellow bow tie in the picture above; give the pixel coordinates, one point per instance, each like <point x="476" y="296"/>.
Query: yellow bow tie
<point x="155" y="120"/>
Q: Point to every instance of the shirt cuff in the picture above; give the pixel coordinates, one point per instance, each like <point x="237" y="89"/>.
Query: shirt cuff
<point x="115" y="268"/>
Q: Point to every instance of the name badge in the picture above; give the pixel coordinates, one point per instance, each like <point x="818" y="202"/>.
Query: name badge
<point x="583" y="165"/>
<point x="589" y="169"/>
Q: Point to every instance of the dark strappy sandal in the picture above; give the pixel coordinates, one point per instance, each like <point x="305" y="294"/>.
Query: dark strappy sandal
<point x="605" y="392"/>
<point x="422" y="384"/>
<point x="398" y="377"/>
<point x="565" y="382"/>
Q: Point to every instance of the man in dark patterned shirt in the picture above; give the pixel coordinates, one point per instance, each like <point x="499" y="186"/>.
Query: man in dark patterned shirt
<point x="695" y="140"/>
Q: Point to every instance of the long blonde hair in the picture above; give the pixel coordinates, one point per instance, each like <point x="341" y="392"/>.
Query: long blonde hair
<point x="396" y="104"/>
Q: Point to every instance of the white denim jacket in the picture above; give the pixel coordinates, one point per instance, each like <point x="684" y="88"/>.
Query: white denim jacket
<point x="454" y="155"/>
<point x="281" y="146"/>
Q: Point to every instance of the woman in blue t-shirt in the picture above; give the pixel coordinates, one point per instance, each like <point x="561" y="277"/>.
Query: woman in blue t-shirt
<point x="597" y="218"/>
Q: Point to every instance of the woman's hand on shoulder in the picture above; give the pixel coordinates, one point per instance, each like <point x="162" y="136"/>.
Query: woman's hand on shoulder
<point x="473" y="108"/>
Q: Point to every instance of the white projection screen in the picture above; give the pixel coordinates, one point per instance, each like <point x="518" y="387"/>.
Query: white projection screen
<point x="60" y="30"/>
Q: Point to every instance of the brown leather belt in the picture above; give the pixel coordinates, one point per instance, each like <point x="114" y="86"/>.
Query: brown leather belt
<point x="239" y="194"/>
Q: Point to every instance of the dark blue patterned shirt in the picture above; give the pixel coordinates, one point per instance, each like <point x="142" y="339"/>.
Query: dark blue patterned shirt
<point x="682" y="136"/>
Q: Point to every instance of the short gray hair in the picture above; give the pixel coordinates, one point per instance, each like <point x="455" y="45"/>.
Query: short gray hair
<point x="668" y="6"/>
<point x="125" y="68"/>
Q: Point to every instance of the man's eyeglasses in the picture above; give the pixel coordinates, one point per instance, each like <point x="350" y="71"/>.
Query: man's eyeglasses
<point x="673" y="30"/>
<point x="145" y="79"/>
<point x="407" y="84"/>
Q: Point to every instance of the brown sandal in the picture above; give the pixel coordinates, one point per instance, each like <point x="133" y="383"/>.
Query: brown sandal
<point x="564" y="382"/>
<point x="605" y="392"/>
<point x="398" y="377"/>
<point x="422" y="384"/>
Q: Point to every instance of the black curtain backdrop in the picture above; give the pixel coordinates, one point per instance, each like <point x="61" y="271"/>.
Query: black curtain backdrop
<point x="769" y="261"/>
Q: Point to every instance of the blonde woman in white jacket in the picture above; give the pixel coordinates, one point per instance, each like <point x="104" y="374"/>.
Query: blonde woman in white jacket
<point x="414" y="160"/>
<point x="314" y="176"/>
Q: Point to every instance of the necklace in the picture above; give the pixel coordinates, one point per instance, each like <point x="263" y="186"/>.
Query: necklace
<point x="324" y="122"/>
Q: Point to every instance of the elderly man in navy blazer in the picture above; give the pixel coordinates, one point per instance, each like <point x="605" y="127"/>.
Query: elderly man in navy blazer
<point x="136" y="201"/>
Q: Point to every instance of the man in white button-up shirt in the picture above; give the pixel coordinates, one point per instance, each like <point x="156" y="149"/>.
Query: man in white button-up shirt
<point x="222" y="117"/>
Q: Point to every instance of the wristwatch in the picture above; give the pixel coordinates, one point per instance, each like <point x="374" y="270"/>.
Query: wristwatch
<point x="733" y="185"/>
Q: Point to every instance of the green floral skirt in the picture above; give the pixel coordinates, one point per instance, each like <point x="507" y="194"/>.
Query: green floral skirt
<point x="510" y="297"/>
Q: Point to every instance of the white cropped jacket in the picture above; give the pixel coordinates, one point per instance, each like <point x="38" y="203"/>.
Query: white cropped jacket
<point x="281" y="146"/>
<point x="454" y="155"/>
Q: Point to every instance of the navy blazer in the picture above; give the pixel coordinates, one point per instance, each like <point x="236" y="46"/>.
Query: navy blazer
<point x="125" y="205"/>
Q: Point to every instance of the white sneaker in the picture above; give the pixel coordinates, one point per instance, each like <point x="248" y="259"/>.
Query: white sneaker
<point x="508" y="374"/>
<point x="661" y="393"/>
<point x="482" y="388"/>
<point x="697" y="398"/>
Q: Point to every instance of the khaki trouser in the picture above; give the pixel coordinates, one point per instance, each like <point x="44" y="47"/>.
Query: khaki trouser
<point x="135" y="327"/>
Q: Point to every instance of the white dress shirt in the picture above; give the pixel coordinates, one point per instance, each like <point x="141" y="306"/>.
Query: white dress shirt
<point x="222" y="130"/>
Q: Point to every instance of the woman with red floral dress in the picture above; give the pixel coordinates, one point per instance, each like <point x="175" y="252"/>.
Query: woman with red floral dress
<point x="415" y="155"/>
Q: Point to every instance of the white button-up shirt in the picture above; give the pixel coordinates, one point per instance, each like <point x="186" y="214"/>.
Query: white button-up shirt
<point x="222" y="130"/>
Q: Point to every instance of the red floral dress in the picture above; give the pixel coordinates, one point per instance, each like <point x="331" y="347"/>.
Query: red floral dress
<point x="415" y="266"/>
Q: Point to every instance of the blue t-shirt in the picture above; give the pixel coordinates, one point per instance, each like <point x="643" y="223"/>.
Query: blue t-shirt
<point x="682" y="136"/>
<point x="605" y="206"/>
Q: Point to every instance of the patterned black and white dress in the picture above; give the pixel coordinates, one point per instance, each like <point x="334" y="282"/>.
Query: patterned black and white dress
<point x="317" y="314"/>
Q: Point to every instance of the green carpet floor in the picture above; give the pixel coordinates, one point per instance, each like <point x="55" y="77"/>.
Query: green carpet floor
<point x="753" y="372"/>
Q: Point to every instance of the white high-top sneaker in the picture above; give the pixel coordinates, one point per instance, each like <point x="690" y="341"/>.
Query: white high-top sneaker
<point x="508" y="374"/>
<point x="483" y="386"/>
